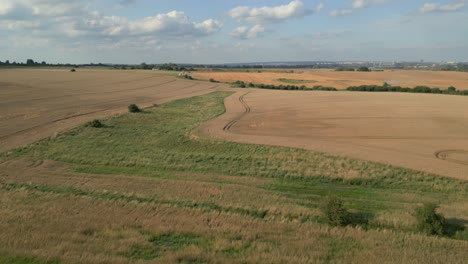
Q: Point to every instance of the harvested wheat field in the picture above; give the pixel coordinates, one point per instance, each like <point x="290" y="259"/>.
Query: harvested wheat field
<point x="342" y="80"/>
<point x="417" y="131"/>
<point x="39" y="103"/>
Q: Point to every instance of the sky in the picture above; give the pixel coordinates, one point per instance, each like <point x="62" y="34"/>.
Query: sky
<point x="233" y="31"/>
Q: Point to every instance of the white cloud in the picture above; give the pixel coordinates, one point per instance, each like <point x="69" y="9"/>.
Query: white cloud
<point x="209" y="26"/>
<point x="319" y="7"/>
<point x="343" y="12"/>
<point x="432" y="7"/>
<point x="63" y="19"/>
<point x="246" y="33"/>
<point x="275" y="14"/>
<point x="174" y="23"/>
<point x="364" y="3"/>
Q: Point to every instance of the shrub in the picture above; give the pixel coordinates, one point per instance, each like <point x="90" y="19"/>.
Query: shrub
<point x="363" y="69"/>
<point x="429" y="221"/>
<point x="95" y="123"/>
<point x="73" y="70"/>
<point x="133" y="108"/>
<point x="451" y="89"/>
<point x="335" y="212"/>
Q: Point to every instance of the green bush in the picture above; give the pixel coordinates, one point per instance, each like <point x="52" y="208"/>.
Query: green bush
<point x="133" y="108"/>
<point x="95" y="123"/>
<point x="335" y="212"/>
<point x="429" y="221"/>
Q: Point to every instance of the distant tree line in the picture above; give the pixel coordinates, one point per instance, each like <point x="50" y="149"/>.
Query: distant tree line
<point x="32" y="63"/>
<point x="360" y="69"/>
<point x="362" y="88"/>
<point x="29" y="63"/>
<point x="241" y="84"/>
<point x="418" y="89"/>
<point x="463" y="67"/>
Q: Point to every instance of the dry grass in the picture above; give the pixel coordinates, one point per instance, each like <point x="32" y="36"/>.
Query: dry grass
<point x="79" y="229"/>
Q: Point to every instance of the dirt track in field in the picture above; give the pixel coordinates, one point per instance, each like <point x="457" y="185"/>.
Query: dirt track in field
<point x="418" y="131"/>
<point x="342" y="80"/>
<point x="36" y="104"/>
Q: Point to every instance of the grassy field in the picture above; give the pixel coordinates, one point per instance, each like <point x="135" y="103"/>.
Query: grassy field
<point x="145" y="187"/>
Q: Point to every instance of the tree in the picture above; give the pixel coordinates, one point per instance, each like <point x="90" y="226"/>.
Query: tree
<point x="30" y="62"/>
<point x="133" y="108"/>
<point x="363" y="69"/>
<point x="335" y="212"/>
<point x="429" y="221"/>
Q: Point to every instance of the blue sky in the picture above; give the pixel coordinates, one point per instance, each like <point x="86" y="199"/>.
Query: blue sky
<point x="217" y="31"/>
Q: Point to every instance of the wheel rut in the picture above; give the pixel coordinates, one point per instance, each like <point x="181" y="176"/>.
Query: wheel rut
<point x="247" y="110"/>
<point x="453" y="155"/>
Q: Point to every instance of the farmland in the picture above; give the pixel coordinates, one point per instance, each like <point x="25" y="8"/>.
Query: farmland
<point x="237" y="175"/>
<point x="417" y="131"/>
<point x="341" y="79"/>
<point x="39" y="103"/>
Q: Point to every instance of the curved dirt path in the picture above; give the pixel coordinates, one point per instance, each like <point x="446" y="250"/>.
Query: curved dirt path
<point x="412" y="131"/>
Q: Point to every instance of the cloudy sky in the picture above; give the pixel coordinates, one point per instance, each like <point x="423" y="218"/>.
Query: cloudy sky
<point x="224" y="31"/>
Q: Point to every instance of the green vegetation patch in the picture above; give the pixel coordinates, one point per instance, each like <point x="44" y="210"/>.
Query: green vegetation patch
<point x="295" y="81"/>
<point x="159" y="244"/>
<point x="5" y="259"/>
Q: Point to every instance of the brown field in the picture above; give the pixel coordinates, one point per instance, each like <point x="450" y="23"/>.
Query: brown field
<point x="342" y="80"/>
<point x="418" y="131"/>
<point x="39" y="103"/>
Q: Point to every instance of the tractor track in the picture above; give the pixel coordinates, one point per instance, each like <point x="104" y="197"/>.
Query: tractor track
<point x="447" y="155"/>
<point x="247" y="110"/>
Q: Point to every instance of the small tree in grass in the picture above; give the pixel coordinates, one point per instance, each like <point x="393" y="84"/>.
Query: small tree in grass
<point x="429" y="221"/>
<point x="95" y="123"/>
<point x="335" y="212"/>
<point x="133" y="108"/>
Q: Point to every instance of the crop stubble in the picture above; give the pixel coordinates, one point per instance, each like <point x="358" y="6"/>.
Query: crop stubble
<point x="39" y="103"/>
<point x="421" y="132"/>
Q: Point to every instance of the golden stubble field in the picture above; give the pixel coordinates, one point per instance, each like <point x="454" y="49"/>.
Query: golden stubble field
<point x="418" y="131"/>
<point x="37" y="103"/>
<point x="343" y="80"/>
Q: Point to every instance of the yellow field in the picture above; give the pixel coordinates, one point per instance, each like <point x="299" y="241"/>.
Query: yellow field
<point x="342" y="80"/>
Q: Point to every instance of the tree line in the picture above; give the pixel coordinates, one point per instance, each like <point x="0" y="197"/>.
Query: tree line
<point x="362" y="88"/>
<point x="418" y="89"/>
<point x="241" y="84"/>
